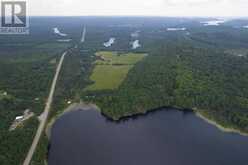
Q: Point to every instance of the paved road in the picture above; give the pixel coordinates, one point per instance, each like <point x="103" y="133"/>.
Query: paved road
<point x="83" y="35"/>
<point x="45" y="113"/>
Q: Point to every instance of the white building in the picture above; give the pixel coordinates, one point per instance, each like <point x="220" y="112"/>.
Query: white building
<point x="19" y="118"/>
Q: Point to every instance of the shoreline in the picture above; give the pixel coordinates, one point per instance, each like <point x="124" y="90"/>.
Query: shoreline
<point x="89" y="106"/>
<point x="219" y="126"/>
<point x="143" y="113"/>
<point x="70" y="108"/>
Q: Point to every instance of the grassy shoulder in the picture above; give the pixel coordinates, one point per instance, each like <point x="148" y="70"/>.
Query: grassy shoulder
<point x="72" y="79"/>
<point x="40" y="155"/>
<point x="24" y="82"/>
<point x="25" y="78"/>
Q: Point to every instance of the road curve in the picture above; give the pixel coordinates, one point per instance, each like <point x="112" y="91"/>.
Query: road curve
<point x="45" y="113"/>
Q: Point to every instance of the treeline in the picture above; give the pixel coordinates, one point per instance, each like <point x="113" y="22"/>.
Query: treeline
<point x="148" y="85"/>
<point x="15" y="144"/>
<point x="185" y="71"/>
<point x="186" y="77"/>
<point x="25" y="78"/>
<point x="73" y="78"/>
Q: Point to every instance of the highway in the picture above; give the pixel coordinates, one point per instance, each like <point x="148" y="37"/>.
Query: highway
<point x="45" y="114"/>
<point x="83" y="35"/>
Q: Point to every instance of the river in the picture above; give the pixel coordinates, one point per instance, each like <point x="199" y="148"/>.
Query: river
<point x="163" y="137"/>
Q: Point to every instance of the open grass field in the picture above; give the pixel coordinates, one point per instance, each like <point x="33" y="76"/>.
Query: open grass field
<point x="108" y="76"/>
<point x="111" y="69"/>
<point x="114" y="58"/>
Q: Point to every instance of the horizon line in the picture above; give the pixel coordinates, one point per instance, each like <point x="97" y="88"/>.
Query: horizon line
<point x="161" y="16"/>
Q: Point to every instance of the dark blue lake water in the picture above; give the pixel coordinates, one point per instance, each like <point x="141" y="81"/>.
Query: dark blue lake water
<point x="165" y="137"/>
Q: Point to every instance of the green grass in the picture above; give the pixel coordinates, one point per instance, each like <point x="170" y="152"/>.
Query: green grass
<point x="111" y="69"/>
<point x="108" y="76"/>
<point x="119" y="59"/>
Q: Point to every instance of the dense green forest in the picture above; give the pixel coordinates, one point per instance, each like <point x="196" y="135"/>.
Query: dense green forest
<point x="70" y="84"/>
<point x="25" y="78"/>
<point x="186" y="72"/>
<point x="203" y="68"/>
<point x="184" y="77"/>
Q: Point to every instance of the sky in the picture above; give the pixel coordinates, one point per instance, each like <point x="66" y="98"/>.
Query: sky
<point x="209" y="8"/>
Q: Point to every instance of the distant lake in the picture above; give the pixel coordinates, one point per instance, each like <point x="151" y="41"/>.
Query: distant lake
<point x="164" y="137"/>
<point x="135" y="44"/>
<point x="110" y="42"/>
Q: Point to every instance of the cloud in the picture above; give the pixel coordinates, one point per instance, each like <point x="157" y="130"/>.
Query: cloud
<point x="206" y="8"/>
<point x="192" y="2"/>
<point x="140" y="7"/>
<point x="205" y="2"/>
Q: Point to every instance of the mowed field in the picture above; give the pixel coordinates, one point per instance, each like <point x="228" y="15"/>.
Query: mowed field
<point x="115" y="58"/>
<point x="111" y="69"/>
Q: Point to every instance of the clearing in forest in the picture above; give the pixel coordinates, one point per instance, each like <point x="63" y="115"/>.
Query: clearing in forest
<point x="111" y="68"/>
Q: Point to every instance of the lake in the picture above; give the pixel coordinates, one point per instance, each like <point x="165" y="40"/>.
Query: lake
<point x="163" y="137"/>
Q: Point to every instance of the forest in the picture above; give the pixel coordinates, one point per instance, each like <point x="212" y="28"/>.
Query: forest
<point x="202" y="69"/>
<point x="25" y="78"/>
<point x="187" y="78"/>
<point x="180" y="72"/>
